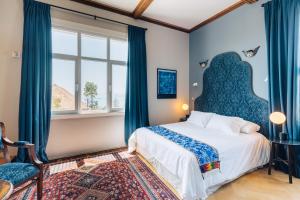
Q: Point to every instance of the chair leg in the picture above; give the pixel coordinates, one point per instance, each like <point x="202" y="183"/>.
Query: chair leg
<point x="40" y="186"/>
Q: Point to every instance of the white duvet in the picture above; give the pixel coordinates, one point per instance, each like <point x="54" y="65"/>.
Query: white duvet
<point x="238" y="154"/>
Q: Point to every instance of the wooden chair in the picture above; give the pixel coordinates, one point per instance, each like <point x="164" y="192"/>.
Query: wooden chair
<point x="21" y="173"/>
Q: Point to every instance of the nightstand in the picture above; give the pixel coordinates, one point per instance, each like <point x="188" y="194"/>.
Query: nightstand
<point x="290" y="150"/>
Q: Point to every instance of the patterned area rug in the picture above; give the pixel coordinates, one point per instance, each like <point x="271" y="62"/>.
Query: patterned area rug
<point x="111" y="176"/>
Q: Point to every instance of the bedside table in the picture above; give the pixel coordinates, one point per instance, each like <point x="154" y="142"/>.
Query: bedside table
<point x="290" y="149"/>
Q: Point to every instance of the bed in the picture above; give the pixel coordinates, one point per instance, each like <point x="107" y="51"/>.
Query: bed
<point x="227" y="90"/>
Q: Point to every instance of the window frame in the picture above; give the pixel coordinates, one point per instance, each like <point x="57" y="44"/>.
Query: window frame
<point x="97" y="32"/>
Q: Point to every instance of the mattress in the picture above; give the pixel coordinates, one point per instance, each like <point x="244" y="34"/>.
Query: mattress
<point x="238" y="155"/>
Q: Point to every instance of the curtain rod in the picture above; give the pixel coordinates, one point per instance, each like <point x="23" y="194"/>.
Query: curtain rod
<point x="94" y="16"/>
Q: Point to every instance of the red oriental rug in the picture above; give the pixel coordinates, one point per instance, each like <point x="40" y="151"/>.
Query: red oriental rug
<point x="112" y="176"/>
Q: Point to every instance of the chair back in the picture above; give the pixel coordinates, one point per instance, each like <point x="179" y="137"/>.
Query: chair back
<point x="3" y="146"/>
<point x="1" y="143"/>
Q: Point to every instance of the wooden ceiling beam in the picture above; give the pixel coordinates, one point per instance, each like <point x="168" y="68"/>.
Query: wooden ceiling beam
<point x="129" y="14"/>
<point x="141" y="8"/>
<point x="144" y="4"/>
<point x="250" y="1"/>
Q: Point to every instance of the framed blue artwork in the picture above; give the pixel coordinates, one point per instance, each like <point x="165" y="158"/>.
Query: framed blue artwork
<point x="166" y="84"/>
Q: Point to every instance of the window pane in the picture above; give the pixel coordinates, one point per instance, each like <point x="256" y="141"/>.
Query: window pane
<point x="63" y="85"/>
<point x="64" y="42"/>
<point x="93" y="85"/>
<point x="93" y="46"/>
<point x="118" y="50"/>
<point x="119" y="75"/>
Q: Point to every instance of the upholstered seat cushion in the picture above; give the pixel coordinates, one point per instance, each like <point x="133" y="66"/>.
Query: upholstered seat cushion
<point x="17" y="172"/>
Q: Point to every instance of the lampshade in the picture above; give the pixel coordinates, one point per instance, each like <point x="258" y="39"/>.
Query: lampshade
<point x="185" y="107"/>
<point x="277" y="118"/>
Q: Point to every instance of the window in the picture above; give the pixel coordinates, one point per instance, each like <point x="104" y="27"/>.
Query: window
<point x="119" y="73"/>
<point x="89" y="72"/>
<point x="64" y="42"/>
<point x="63" y="85"/>
<point x="93" y="85"/>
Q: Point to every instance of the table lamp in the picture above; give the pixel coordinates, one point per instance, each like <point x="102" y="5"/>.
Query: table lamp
<point x="279" y="118"/>
<point x="185" y="107"/>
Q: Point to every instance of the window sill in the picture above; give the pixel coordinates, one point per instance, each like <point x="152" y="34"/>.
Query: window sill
<point x="88" y="115"/>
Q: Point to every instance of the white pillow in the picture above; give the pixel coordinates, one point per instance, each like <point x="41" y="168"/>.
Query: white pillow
<point x="200" y="118"/>
<point x="225" y="124"/>
<point x="250" y="127"/>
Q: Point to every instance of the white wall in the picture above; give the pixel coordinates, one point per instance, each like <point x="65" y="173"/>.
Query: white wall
<point x="165" y="48"/>
<point x="11" y="28"/>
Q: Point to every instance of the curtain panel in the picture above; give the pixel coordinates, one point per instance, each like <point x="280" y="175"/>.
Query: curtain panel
<point x="282" y="34"/>
<point x="35" y="94"/>
<point x="136" y="106"/>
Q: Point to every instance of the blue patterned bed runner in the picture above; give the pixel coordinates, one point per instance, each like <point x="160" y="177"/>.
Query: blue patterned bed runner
<point x="207" y="156"/>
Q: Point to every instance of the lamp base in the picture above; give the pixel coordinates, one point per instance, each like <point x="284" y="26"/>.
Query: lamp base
<point x="283" y="136"/>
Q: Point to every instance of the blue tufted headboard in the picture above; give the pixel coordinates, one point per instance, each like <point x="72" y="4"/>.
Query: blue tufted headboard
<point x="227" y="90"/>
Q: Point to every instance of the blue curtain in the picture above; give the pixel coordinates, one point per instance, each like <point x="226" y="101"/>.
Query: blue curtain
<point x="282" y="30"/>
<point x="136" y="108"/>
<point x="35" y="94"/>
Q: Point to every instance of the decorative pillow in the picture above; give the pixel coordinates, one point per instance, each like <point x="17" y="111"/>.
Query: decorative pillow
<point x="250" y="127"/>
<point x="225" y="124"/>
<point x="200" y="118"/>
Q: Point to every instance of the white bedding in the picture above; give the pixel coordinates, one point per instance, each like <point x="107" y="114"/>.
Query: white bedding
<point x="238" y="155"/>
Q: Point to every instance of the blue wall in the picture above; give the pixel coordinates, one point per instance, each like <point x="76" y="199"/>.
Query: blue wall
<point x="239" y="30"/>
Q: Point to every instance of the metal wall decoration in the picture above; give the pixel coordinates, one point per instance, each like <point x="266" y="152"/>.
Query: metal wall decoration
<point x="251" y="53"/>
<point x="204" y="63"/>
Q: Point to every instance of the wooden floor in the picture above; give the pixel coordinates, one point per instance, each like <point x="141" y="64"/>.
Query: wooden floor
<point x="259" y="185"/>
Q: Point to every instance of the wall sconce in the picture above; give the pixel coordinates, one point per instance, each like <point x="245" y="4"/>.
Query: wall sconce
<point x="203" y="64"/>
<point x="251" y="53"/>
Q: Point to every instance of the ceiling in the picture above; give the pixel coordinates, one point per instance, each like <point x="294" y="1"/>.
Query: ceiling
<point x="186" y="13"/>
<point x="183" y="15"/>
